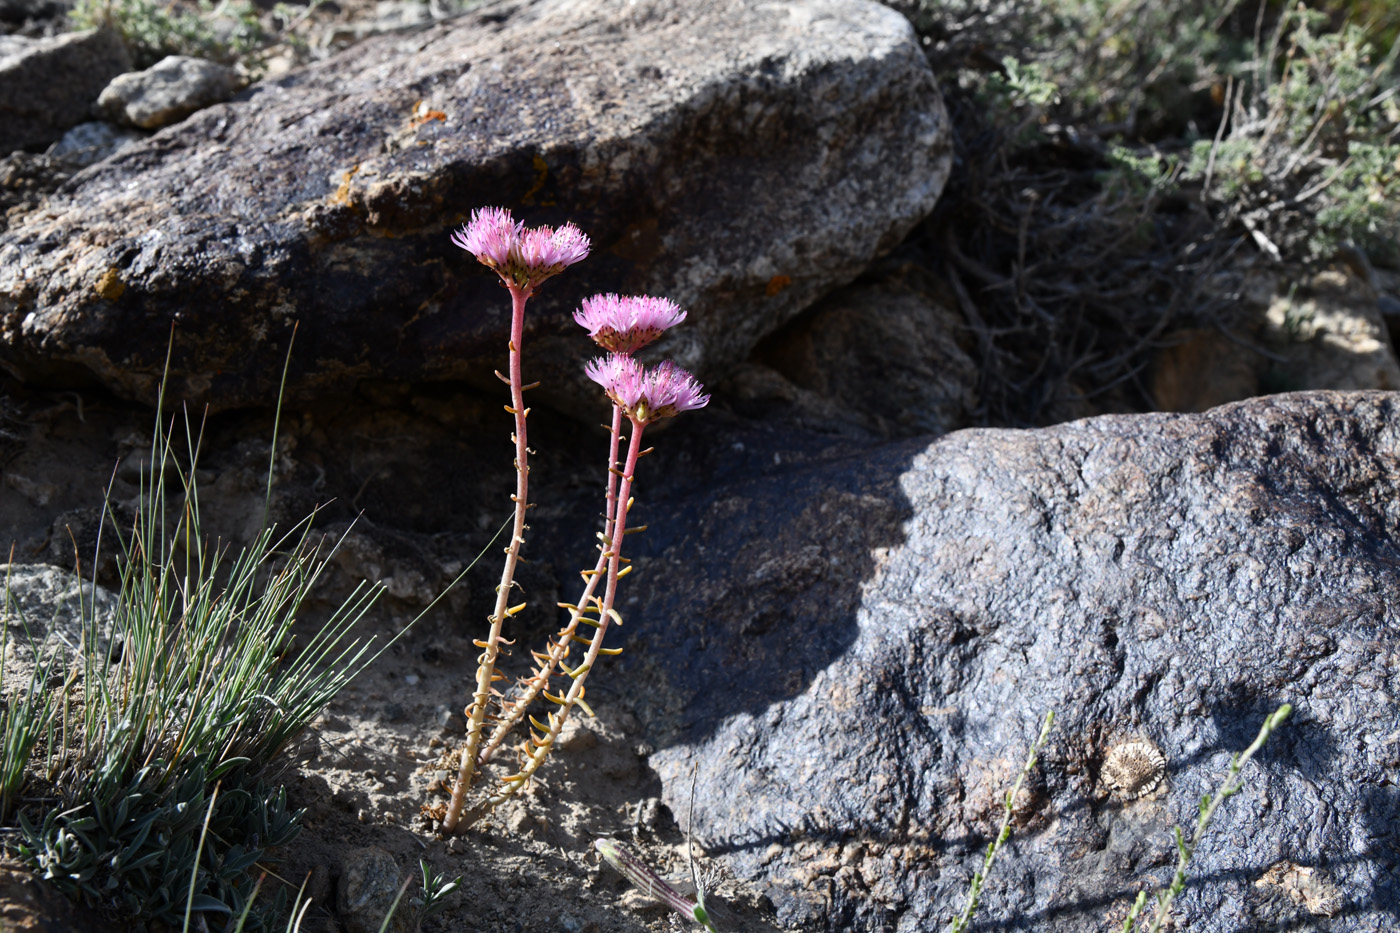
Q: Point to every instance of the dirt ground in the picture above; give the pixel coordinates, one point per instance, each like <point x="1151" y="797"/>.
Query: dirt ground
<point x="378" y="756"/>
<point x="383" y="751"/>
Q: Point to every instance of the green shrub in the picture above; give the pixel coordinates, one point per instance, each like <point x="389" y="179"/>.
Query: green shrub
<point x="225" y="33"/>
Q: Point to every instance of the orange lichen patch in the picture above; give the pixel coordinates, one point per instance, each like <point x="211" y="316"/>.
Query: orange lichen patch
<point x="110" y="285"/>
<point x="776" y="284"/>
<point x="342" y="194"/>
<point x="423" y="113"/>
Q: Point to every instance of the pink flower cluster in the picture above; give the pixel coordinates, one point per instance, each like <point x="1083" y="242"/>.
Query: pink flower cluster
<point x="625" y="325"/>
<point x="647" y="394"/>
<point x="622" y="325"/>
<point x="522" y="256"/>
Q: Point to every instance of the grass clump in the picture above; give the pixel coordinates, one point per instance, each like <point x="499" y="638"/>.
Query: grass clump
<point x="166" y="724"/>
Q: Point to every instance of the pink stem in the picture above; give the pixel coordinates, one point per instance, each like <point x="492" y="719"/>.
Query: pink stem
<point x="486" y="664"/>
<point x="559" y="649"/>
<point x="539" y="747"/>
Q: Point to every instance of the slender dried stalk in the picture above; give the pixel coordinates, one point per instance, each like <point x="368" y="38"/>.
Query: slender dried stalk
<point x="559" y="647"/>
<point x="632" y="868"/>
<point x="1209" y="804"/>
<point x="486" y="663"/>
<point x="538" y="746"/>
<point x="974" y="889"/>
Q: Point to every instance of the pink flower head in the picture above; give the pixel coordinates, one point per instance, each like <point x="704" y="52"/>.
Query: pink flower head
<point x="490" y="237"/>
<point x="607" y="370"/>
<point x="626" y="324"/>
<point x="522" y="256"/>
<point x="549" y="251"/>
<point x="647" y="395"/>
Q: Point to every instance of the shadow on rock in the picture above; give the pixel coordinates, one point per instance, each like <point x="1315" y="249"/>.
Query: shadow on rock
<point x="852" y="657"/>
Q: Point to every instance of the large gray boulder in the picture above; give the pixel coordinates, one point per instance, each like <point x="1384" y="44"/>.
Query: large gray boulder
<point x="742" y="158"/>
<point x="857" y="654"/>
<point x="48" y="85"/>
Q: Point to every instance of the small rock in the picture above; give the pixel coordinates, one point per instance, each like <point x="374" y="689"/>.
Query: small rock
<point x="167" y="92"/>
<point x="48" y="85"/>
<point x="44" y="609"/>
<point x="89" y="143"/>
<point x="369" y="881"/>
<point x="517" y="820"/>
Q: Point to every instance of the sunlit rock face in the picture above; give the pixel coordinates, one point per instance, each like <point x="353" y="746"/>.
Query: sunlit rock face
<point x="741" y="158"/>
<point x="853" y="656"/>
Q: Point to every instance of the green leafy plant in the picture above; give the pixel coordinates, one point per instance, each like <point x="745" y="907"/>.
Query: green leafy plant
<point x="130" y="846"/>
<point x="233" y="32"/>
<point x="436" y="887"/>
<point x="225" y="33"/>
<point x="1306" y="157"/>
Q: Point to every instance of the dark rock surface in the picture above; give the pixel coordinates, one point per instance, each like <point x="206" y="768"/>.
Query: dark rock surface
<point x="48" y="85"/>
<point x="885" y="355"/>
<point x="857" y="653"/>
<point x="26" y="179"/>
<point x="741" y="158"/>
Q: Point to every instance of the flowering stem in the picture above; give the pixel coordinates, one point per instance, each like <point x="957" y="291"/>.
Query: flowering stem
<point x="559" y="648"/>
<point x="486" y="663"/>
<point x="538" y="746"/>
